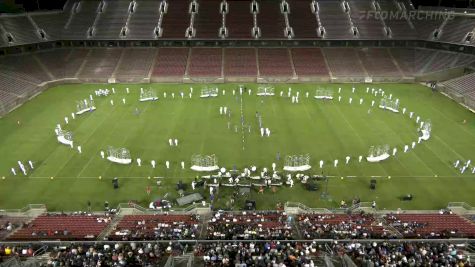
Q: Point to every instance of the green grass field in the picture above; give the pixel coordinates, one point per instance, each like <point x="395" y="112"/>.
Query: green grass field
<point x="324" y="130"/>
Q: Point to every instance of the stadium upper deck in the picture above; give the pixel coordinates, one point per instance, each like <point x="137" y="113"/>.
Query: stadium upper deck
<point x="236" y="20"/>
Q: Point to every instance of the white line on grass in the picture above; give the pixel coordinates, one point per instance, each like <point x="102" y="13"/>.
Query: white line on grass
<point x="242" y="124"/>
<point x="331" y="176"/>
<point x="87" y="140"/>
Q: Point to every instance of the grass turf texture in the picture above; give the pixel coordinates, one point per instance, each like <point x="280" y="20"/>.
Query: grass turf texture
<point x="325" y="130"/>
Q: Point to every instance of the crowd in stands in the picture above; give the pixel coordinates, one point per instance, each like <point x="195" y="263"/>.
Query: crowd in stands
<point x="162" y="227"/>
<point x="403" y="254"/>
<point x="340" y="226"/>
<point x="273" y="253"/>
<point x="241" y="253"/>
<point x="249" y="226"/>
<point x="123" y="254"/>
<point x="9" y="224"/>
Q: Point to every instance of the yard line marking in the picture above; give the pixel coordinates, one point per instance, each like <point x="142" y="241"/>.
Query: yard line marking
<point x="311" y="120"/>
<point x="330" y="176"/>
<point x="87" y="140"/>
<point x="242" y="123"/>
<point x="354" y="130"/>
<point x="101" y="145"/>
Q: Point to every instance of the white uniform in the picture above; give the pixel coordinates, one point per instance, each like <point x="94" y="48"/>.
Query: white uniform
<point x="79" y="149"/>
<point x="339" y="98"/>
<point x="347" y="159"/>
<point x="153" y="163"/>
<point x="176" y="142"/>
<point x="411" y="114"/>
<point x="234" y="92"/>
<point x="267" y="132"/>
<point x="361" y="101"/>
<point x="360" y="158"/>
<point x="339" y="90"/>
<point x="183" y="165"/>
<point x="351" y="100"/>
<point x="250" y="92"/>
<point x="281" y="93"/>
<point x="66" y="120"/>
<point x="457" y="163"/>
<point x="123" y="100"/>
<point x="127" y="90"/>
<point x="225" y="109"/>
<point x="13" y="171"/>
<point x="73" y="116"/>
<point x="321" y="164"/>
<point x="417" y="119"/>
<point x="193" y="185"/>
<point x="413" y="145"/>
<point x="372" y="103"/>
<point x="31" y="164"/>
<point x="112" y="102"/>
<point x="262" y="131"/>
<point x="164" y="94"/>
<point x="406" y="148"/>
<point x="394" y="151"/>
<point x="139" y="162"/>
<point x="273" y="166"/>
<point x="23" y="169"/>
<point x="102" y="154"/>
<point x="404" y="111"/>
<point x="182" y="95"/>
<point x="167" y="163"/>
<point x="335" y="163"/>
<point x="353" y="90"/>
<point x="170" y="142"/>
<point x="221" y="110"/>
<point x="173" y="95"/>
<point x="113" y="90"/>
<point x="306" y="95"/>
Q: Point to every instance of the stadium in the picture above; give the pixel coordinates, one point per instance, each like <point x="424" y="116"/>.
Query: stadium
<point x="237" y="133"/>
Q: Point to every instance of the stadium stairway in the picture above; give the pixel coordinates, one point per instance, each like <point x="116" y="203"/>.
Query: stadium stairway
<point x="387" y="226"/>
<point x="19" y="228"/>
<point x="83" y="64"/>
<point x="296" y="231"/>
<point x="44" y="68"/>
<point x="204" y="220"/>
<point x="108" y="230"/>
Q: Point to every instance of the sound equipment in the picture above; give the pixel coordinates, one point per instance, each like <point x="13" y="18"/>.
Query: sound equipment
<point x="311" y="186"/>
<point x="250" y="205"/>
<point x="180" y="186"/>
<point x="115" y="183"/>
<point x="372" y="184"/>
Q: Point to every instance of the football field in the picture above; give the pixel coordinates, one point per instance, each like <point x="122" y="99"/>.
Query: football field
<point x="64" y="179"/>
